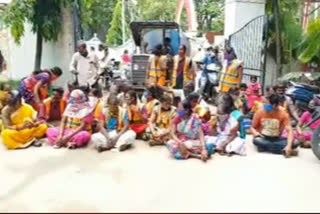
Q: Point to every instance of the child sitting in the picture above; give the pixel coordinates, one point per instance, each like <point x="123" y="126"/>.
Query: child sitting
<point x="253" y="86"/>
<point x="254" y="97"/>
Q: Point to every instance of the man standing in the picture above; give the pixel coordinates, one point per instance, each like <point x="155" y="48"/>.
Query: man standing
<point x="84" y="65"/>
<point x="167" y="48"/>
<point x="157" y="68"/>
<point x="231" y="75"/>
<point x="267" y="126"/>
<point x="103" y="57"/>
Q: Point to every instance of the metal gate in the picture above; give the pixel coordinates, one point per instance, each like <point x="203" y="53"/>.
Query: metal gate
<point x="250" y="44"/>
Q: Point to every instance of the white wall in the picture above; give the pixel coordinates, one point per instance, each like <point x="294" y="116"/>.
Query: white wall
<point x="21" y="57"/>
<point x="240" y="12"/>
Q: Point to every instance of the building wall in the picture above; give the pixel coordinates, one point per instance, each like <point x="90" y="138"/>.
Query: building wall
<point x="20" y="58"/>
<point x="240" y="12"/>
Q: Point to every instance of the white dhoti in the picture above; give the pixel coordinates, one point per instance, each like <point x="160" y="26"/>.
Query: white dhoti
<point x="237" y="146"/>
<point x="101" y="141"/>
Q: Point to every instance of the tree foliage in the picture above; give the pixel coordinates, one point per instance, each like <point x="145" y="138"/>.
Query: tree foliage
<point x="310" y="47"/>
<point x="163" y="10"/>
<point x="291" y="31"/>
<point x="45" y="17"/>
<point x="96" y="16"/>
<point x="210" y="15"/>
<point x="114" y="36"/>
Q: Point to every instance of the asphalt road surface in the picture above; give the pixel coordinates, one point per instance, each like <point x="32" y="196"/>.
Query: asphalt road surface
<point x="146" y="179"/>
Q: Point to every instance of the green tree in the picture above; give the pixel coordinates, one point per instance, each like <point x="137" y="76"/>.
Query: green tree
<point x="114" y="36"/>
<point x="210" y="15"/>
<point x="310" y="47"/>
<point x="163" y="10"/>
<point x="45" y="18"/>
<point x="290" y="30"/>
<point x="96" y="16"/>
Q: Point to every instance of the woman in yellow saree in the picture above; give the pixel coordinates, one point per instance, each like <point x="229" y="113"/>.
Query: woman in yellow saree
<point x="20" y="129"/>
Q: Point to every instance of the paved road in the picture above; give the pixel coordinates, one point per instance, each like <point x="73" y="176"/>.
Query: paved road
<point x="147" y="179"/>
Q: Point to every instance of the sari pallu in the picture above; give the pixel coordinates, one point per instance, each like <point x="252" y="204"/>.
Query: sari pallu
<point x="188" y="74"/>
<point x="188" y="133"/>
<point x="13" y="139"/>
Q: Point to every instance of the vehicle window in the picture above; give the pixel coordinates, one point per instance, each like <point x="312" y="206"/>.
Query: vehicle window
<point x="173" y="35"/>
<point x="151" y="38"/>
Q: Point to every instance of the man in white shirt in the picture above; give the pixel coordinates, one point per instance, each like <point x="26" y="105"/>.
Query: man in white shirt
<point x="103" y="57"/>
<point x="85" y="65"/>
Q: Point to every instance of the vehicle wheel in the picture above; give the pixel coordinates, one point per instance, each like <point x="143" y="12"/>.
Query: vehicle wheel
<point x="315" y="143"/>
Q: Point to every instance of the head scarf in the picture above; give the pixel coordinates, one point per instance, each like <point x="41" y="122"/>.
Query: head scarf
<point x="78" y="106"/>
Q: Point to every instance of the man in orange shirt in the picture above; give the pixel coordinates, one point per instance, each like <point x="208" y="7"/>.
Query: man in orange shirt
<point x="267" y="126"/>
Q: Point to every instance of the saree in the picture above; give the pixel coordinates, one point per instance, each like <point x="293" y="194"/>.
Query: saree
<point x="188" y="133"/>
<point x="13" y="139"/>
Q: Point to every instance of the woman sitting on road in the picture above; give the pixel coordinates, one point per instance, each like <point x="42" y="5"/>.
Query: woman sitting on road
<point x="226" y="139"/>
<point x="160" y="120"/>
<point x="136" y="116"/>
<point x="114" y="128"/>
<point x="20" y="128"/>
<point x="76" y="125"/>
<point x="150" y="101"/>
<point x="304" y="133"/>
<point x="187" y="139"/>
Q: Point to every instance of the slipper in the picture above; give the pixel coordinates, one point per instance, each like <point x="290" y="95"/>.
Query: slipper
<point x="124" y="147"/>
<point x="72" y="146"/>
<point x="56" y="147"/>
<point x="37" y="144"/>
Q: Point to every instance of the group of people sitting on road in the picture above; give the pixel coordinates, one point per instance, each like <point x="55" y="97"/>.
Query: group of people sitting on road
<point x="169" y="112"/>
